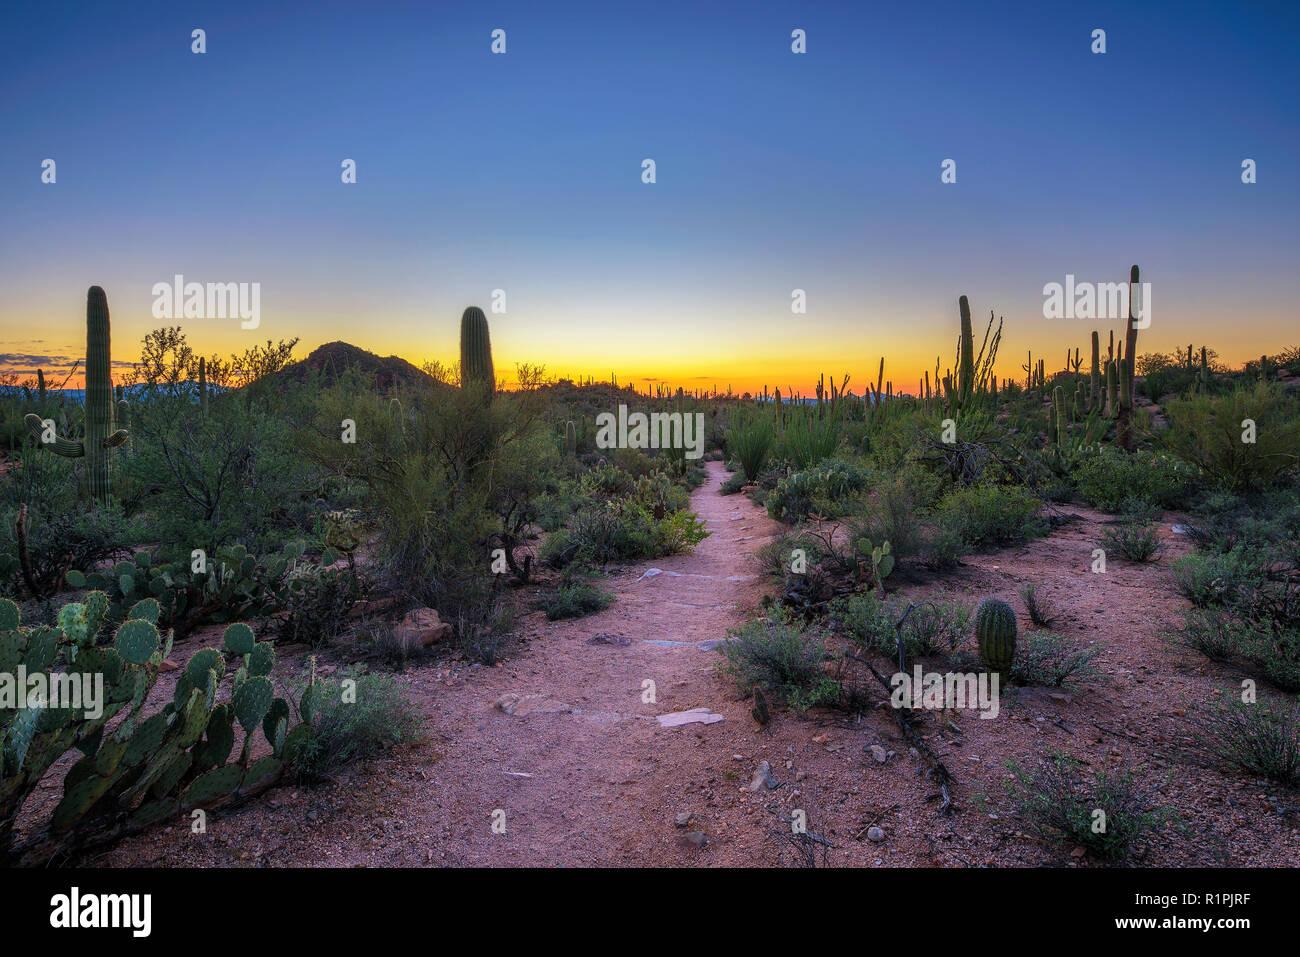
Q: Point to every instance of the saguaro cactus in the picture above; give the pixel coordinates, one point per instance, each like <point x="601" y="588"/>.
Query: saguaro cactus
<point x="101" y="434"/>
<point x="1128" y="365"/>
<point x="475" y="351"/>
<point x="1094" y="378"/>
<point x="966" y="371"/>
<point x="570" y="438"/>
<point x="203" y="388"/>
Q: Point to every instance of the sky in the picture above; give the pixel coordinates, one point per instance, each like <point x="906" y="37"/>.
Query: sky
<point x="775" y="171"/>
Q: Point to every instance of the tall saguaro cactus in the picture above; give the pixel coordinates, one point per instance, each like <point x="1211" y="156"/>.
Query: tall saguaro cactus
<point x="1095" y="377"/>
<point x="101" y="434"/>
<point x="475" y="351"/>
<point x="966" y="371"/>
<point x="1128" y="364"/>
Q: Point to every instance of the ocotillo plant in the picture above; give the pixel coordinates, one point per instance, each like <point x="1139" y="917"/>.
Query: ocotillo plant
<point x="476" y="351"/>
<point x="101" y="435"/>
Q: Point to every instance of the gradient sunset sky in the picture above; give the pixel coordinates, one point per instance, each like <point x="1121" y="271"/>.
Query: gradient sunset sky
<point x="775" y="171"/>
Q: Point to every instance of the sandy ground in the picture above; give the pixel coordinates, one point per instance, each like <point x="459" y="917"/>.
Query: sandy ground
<point x="582" y="773"/>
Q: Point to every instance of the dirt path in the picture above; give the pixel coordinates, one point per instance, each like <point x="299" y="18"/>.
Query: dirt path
<point x="581" y="773"/>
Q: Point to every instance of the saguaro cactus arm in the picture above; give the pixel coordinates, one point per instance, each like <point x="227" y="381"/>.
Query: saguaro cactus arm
<point x="60" y="446"/>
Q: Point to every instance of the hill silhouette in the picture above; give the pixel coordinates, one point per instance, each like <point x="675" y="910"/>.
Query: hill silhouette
<point x="332" y="359"/>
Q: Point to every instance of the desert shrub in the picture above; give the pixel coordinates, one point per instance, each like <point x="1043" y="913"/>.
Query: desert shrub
<point x="607" y="481"/>
<point x="577" y="600"/>
<point x="1207" y="431"/>
<point x="1046" y="659"/>
<point x="733" y="483"/>
<point x="942" y="547"/>
<point x="929" y="628"/>
<point x="356" y="723"/>
<point x="1272" y="647"/>
<point x="777" y="653"/>
<point x="231" y="476"/>
<point x="894" y="511"/>
<point x="1136" y="541"/>
<point x="1058" y="801"/>
<point x="1208" y="579"/>
<point x="826" y="489"/>
<point x="1039" y="613"/>
<point x="1260" y="739"/>
<point x="749" y="443"/>
<point x="1107" y="476"/>
<point x="991" y="516"/>
<point x="439" y="475"/>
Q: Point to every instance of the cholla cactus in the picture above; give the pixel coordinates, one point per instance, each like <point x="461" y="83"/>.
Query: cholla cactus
<point x="101" y="434"/>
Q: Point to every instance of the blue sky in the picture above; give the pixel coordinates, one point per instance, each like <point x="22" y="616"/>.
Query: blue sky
<point x="775" y="171"/>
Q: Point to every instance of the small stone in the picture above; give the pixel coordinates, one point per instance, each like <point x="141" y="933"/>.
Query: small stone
<point x="878" y="753"/>
<point x="684" y="818"/>
<point x="694" y="839"/>
<point x="875" y="834"/>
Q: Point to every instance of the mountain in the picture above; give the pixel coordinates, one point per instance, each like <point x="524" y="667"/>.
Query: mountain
<point x="333" y="358"/>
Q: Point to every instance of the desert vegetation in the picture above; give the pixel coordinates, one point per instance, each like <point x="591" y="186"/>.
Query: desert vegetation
<point x="275" y="565"/>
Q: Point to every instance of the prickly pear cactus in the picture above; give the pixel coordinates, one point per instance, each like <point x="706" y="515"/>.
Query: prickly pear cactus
<point x="146" y="769"/>
<point x="995" y="629"/>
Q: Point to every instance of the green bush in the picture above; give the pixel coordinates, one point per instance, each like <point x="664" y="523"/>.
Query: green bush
<point x="1258" y="738"/>
<point x="577" y="600"/>
<point x="930" y="628"/>
<point x="1207" y="432"/>
<point x="1136" y="541"/>
<point x="1059" y="800"/>
<point x="1106" y="476"/>
<point x="1046" y="659"/>
<point x="356" y="721"/>
<point x="992" y="516"/>
<point x="776" y="653"/>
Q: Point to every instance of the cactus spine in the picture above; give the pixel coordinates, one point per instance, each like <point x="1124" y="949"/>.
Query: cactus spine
<point x="476" y="351"/>
<point x="101" y="435"/>
<point x="995" y="628"/>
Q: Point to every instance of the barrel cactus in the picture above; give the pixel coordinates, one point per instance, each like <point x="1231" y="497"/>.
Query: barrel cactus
<point x="995" y="629"/>
<point x="101" y="434"/>
<point x="475" y="350"/>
